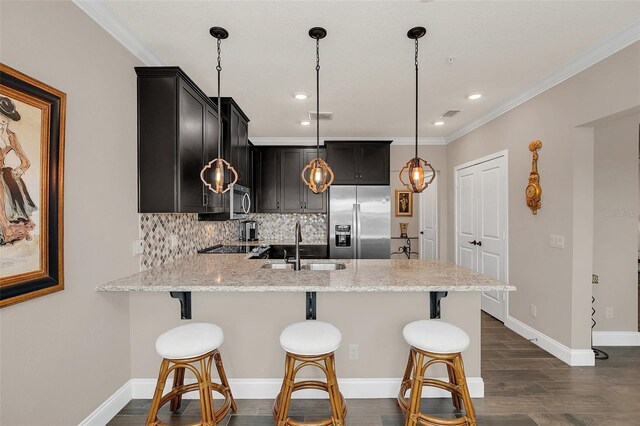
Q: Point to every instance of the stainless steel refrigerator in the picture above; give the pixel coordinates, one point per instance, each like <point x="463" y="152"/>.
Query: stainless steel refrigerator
<point x="359" y="222"/>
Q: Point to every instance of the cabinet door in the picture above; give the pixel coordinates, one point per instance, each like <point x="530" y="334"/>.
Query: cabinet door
<point x="313" y="203"/>
<point x="234" y="151"/>
<point x="214" y="201"/>
<point x="267" y="193"/>
<point x="343" y="160"/>
<point x="190" y="191"/>
<point x="373" y="164"/>
<point x="243" y="152"/>
<point x="291" y="198"/>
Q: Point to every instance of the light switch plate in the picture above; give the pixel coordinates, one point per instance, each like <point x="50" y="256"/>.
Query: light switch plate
<point x="556" y="241"/>
<point x="138" y="247"/>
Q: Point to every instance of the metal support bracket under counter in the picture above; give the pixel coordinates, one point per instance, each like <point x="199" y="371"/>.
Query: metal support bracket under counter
<point x="185" y="303"/>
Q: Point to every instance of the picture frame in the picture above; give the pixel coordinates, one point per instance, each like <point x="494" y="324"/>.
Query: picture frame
<point x="32" y="130"/>
<point x="404" y="203"/>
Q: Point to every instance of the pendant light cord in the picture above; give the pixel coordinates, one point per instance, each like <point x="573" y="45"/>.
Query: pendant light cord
<point x="416" y="63"/>
<point x="219" y="68"/>
<point x="318" y="98"/>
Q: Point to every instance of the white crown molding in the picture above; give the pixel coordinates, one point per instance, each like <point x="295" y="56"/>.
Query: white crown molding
<point x="99" y="12"/>
<point x="602" y="50"/>
<point x="310" y="141"/>
<point x="573" y="357"/>
<point x="616" y="338"/>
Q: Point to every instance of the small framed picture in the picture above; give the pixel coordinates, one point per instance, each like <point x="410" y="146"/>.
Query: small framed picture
<point x="404" y="202"/>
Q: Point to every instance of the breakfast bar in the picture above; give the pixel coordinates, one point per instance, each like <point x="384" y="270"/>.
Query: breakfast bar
<point x="238" y="273"/>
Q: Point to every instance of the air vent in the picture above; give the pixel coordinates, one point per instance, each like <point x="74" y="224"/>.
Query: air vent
<point x="323" y="115"/>
<point x="451" y="113"/>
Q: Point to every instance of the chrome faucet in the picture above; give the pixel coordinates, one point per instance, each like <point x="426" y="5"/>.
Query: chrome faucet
<point x="298" y="238"/>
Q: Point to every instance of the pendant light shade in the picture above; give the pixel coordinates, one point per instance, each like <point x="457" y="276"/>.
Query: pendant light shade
<point x="317" y="174"/>
<point x="420" y="172"/>
<point x="219" y="165"/>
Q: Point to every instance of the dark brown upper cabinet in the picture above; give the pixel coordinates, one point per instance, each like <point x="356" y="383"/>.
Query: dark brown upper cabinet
<point x="235" y="137"/>
<point x="279" y="185"/>
<point x="177" y="136"/>
<point x="359" y="163"/>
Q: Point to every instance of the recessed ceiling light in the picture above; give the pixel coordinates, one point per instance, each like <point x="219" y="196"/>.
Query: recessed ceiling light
<point x="438" y="123"/>
<point x="474" y="96"/>
<point x="305" y="122"/>
<point x="301" y="96"/>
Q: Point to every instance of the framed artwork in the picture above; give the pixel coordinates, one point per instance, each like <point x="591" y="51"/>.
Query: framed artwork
<point x="32" y="119"/>
<point x="404" y="202"/>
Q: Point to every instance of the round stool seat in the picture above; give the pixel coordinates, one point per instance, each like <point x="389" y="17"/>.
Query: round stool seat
<point x="310" y="338"/>
<point x="436" y="336"/>
<point x="188" y="341"/>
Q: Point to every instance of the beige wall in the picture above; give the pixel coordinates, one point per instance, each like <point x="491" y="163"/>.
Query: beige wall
<point x="615" y="223"/>
<point x="544" y="275"/>
<point x="437" y="157"/>
<point x="252" y="323"/>
<point x="64" y="354"/>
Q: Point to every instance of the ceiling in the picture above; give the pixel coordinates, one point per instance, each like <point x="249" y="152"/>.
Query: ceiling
<point x="499" y="48"/>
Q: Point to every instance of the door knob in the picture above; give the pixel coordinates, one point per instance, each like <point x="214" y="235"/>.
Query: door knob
<point x="475" y="243"/>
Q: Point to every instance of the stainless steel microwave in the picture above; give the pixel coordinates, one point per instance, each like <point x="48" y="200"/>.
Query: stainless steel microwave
<point x="239" y="202"/>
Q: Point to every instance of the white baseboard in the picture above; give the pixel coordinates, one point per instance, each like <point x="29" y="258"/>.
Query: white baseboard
<point x="108" y="409"/>
<point x="616" y="338"/>
<point x="267" y="389"/>
<point x="573" y="357"/>
<point x="350" y="388"/>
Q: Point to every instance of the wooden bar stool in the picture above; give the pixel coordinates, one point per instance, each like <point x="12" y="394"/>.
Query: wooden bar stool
<point x="310" y="343"/>
<point x="180" y="347"/>
<point x="442" y="343"/>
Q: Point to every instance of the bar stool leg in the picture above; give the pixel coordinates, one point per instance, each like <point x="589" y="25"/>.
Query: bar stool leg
<point x="416" y="390"/>
<point x="285" y="392"/>
<point x="407" y="371"/>
<point x="157" y="395"/>
<point x="334" y="393"/>
<point x="223" y="379"/>
<point x="457" y="402"/>
<point x="178" y="380"/>
<point x="206" y="399"/>
<point x="470" y="411"/>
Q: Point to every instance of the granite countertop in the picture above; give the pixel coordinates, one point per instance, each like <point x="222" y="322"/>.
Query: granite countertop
<point x="234" y="272"/>
<point x="276" y="242"/>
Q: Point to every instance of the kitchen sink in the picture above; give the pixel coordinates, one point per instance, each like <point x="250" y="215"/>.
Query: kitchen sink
<point x="277" y="266"/>
<point x="324" y="266"/>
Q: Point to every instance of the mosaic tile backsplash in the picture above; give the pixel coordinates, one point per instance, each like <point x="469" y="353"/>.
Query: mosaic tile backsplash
<point x="274" y="226"/>
<point x="156" y="231"/>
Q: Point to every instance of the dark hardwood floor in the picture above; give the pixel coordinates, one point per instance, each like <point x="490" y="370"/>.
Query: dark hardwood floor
<point x="524" y="385"/>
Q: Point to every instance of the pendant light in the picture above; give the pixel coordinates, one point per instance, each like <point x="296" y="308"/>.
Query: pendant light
<point x="219" y="164"/>
<point x="317" y="170"/>
<point x="418" y="182"/>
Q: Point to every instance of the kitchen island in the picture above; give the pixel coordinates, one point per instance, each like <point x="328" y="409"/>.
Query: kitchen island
<point x="239" y="273"/>
<point x="369" y="301"/>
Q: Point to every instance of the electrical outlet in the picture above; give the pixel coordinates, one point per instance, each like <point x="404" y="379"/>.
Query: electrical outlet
<point x="609" y="312"/>
<point x="353" y="352"/>
<point x="556" y="241"/>
<point x="174" y="241"/>
<point x="533" y="310"/>
<point x="594" y="279"/>
<point x="138" y="247"/>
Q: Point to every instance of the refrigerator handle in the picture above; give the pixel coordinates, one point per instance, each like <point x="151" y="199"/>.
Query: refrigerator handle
<point x="354" y="231"/>
<point x="358" y="232"/>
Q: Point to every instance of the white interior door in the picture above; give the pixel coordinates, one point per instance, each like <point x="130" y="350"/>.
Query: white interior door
<point x="429" y="222"/>
<point x="482" y="223"/>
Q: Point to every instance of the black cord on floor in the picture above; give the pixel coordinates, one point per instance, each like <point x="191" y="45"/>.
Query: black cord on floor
<point x="600" y="354"/>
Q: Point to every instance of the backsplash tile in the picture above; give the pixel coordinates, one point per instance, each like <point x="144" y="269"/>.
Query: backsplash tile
<point x="156" y="230"/>
<point x="193" y="235"/>
<point x="274" y="226"/>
